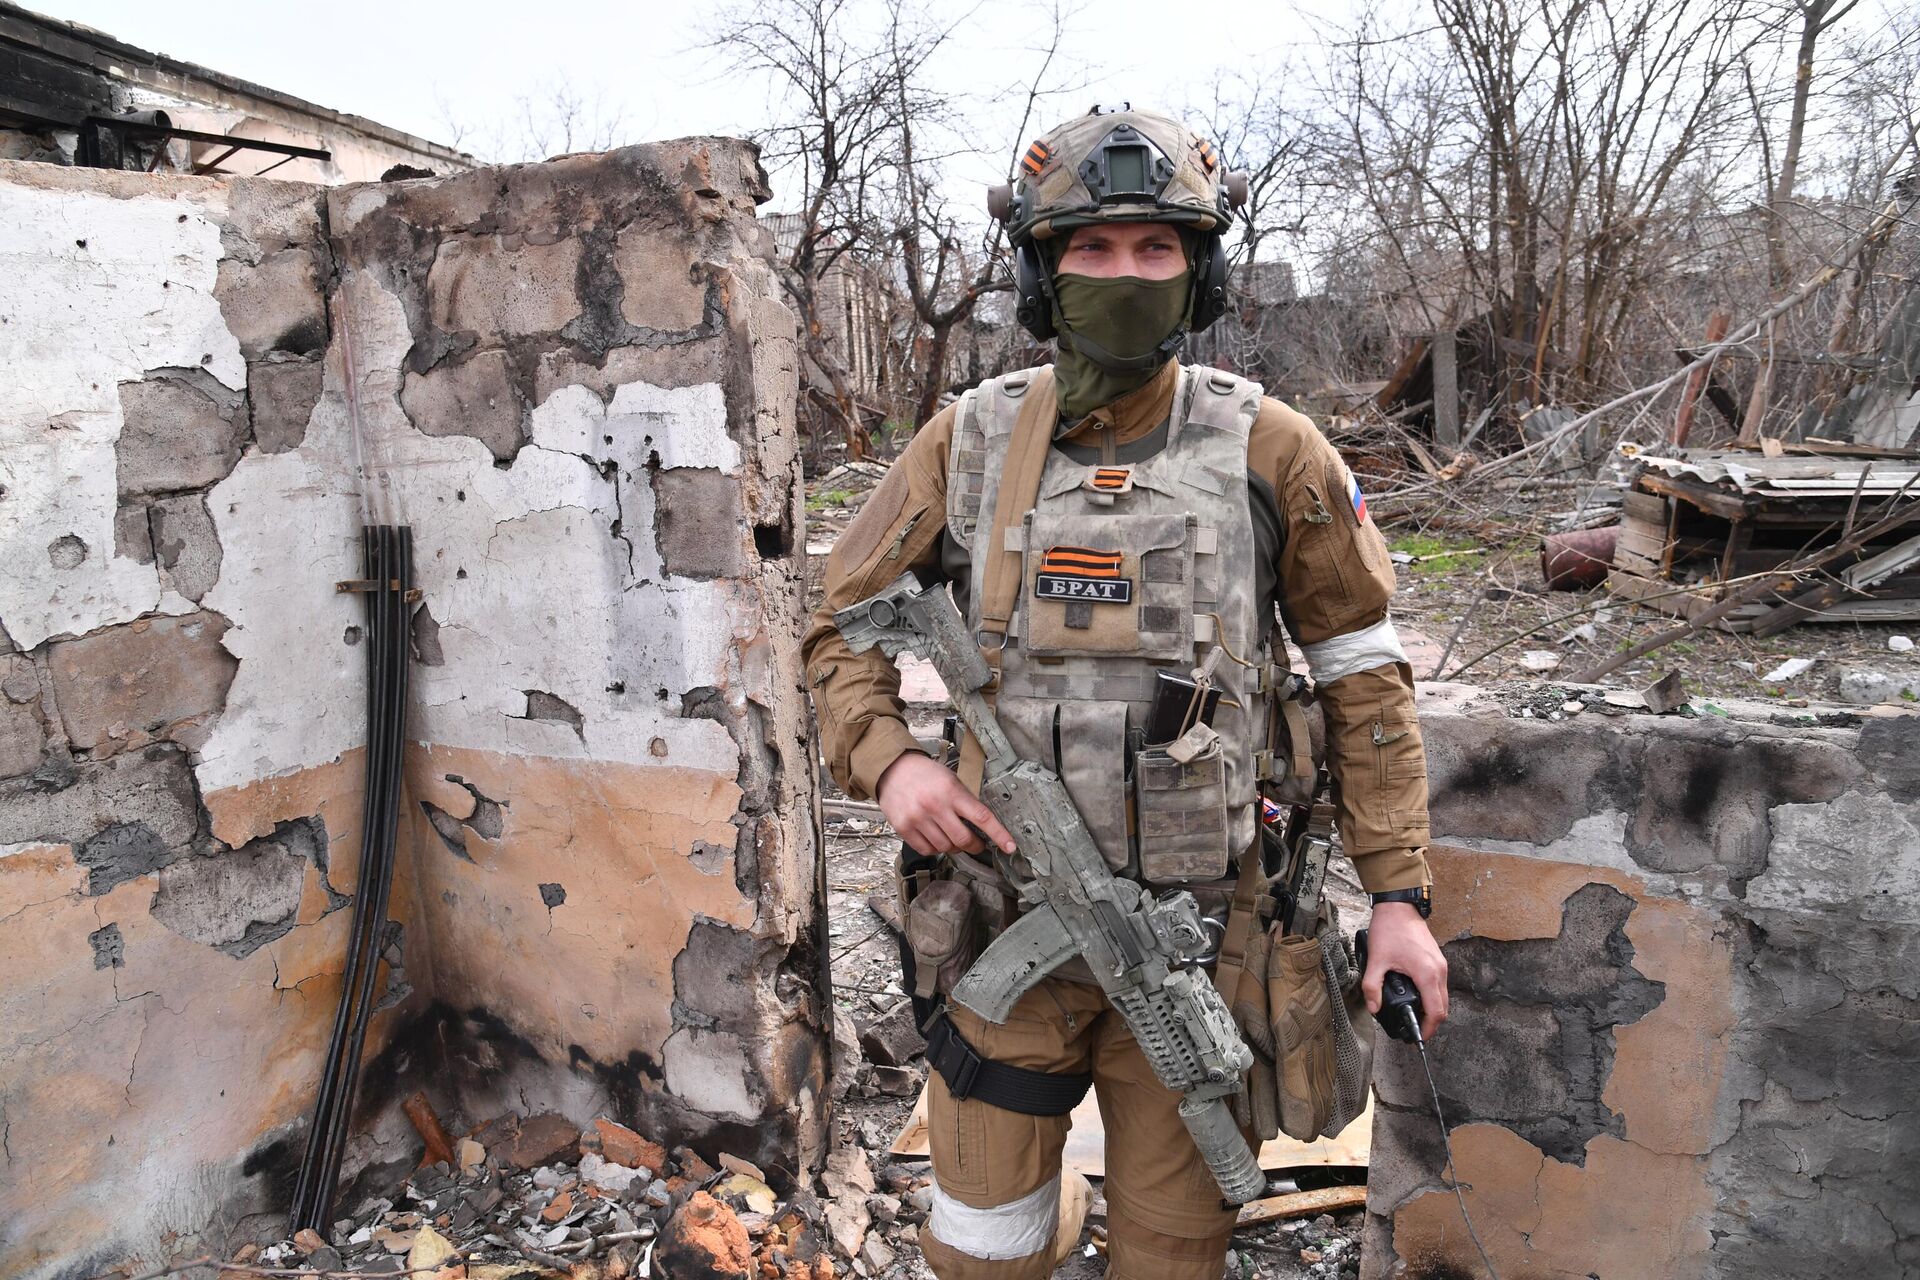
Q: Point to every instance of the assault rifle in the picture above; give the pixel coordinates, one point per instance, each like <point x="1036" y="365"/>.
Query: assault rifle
<point x="1140" y="949"/>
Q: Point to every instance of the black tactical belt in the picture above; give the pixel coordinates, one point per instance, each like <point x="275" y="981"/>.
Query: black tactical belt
<point x="1011" y="1088"/>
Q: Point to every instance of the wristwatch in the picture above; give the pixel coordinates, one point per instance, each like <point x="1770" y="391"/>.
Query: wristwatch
<point x="1421" y="898"/>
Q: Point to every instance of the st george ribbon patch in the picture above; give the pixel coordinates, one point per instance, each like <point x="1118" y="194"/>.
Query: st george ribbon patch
<point x="1082" y="573"/>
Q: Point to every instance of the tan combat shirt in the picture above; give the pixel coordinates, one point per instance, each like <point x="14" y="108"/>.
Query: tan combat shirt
<point x="1332" y="579"/>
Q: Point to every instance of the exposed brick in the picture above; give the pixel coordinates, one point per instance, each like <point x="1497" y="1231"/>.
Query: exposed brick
<point x="152" y="787"/>
<point x="275" y="304"/>
<point x="185" y="545"/>
<point x="661" y="289"/>
<point x="283" y="394"/>
<point x="699" y="523"/>
<point x="491" y="285"/>
<point x="473" y="398"/>
<point x="147" y="676"/>
<point x="180" y="430"/>
<point x="23" y="740"/>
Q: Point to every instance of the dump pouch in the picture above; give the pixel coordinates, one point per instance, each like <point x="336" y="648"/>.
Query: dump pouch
<point x="1322" y="1039"/>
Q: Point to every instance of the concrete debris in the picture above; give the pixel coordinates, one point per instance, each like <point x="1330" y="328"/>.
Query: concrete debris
<point x="608" y="1176"/>
<point x="1540" y="660"/>
<point x="1900" y="644"/>
<point x="1665" y="695"/>
<point x="892" y="1039"/>
<point x="580" y="1216"/>
<point x="1788" y="670"/>
<point x="1865" y="687"/>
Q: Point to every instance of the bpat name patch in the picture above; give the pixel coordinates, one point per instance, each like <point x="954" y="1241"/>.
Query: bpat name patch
<point x="1063" y="586"/>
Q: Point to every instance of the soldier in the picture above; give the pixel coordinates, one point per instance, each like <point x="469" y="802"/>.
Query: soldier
<point x="1101" y="521"/>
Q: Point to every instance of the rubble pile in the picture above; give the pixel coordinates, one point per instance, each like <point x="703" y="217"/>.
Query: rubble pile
<point x="536" y="1197"/>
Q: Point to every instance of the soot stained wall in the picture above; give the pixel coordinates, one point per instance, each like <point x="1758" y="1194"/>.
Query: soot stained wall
<point x="218" y="384"/>
<point x="1683" y="957"/>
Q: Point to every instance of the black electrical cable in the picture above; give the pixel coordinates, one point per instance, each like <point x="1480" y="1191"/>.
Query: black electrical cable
<point x="302" y="1213"/>
<point x="393" y="733"/>
<point x="389" y="564"/>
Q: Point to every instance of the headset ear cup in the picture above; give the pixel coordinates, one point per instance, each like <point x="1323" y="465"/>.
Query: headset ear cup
<point x="1032" y="306"/>
<point x="1212" y="302"/>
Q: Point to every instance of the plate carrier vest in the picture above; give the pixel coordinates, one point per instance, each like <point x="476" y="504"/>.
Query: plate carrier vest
<point x="1129" y="569"/>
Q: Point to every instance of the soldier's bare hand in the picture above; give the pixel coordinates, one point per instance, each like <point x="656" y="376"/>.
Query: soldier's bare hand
<point x="1398" y="940"/>
<point x="931" y="810"/>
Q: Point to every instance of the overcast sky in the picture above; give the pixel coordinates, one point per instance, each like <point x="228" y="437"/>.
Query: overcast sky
<point x="396" y="62"/>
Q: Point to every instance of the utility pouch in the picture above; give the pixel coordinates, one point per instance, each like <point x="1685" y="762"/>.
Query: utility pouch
<point x="1322" y="1039"/>
<point x="943" y="934"/>
<point x="1180" y="809"/>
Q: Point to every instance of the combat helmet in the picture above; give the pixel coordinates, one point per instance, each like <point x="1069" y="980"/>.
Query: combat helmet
<point x="1118" y="165"/>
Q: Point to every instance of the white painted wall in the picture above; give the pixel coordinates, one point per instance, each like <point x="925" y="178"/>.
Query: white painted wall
<point x="94" y="291"/>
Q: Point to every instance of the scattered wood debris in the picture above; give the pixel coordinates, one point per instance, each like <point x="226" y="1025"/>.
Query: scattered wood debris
<point x="1698" y="521"/>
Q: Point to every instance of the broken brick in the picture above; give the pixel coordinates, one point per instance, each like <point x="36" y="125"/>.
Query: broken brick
<point x="540" y="1140"/>
<point x="557" y="1208"/>
<point x="620" y="1145"/>
<point x="703" y="1240"/>
<point x="692" y="1165"/>
<point x="892" y="1039"/>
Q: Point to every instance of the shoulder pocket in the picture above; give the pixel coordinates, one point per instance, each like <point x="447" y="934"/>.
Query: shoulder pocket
<point x="875" y="522"/>
<point x="1324" y="543"/>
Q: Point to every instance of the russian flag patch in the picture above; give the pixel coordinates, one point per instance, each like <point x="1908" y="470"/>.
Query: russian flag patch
<point x="1358" y="499"/>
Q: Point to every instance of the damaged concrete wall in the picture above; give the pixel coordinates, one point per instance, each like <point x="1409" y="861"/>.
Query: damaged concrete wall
<point x="572" y="381"/>
<point x="1685" y="999"/>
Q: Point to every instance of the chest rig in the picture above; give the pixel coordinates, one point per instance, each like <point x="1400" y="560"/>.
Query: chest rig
<point x="1128" y="570"/>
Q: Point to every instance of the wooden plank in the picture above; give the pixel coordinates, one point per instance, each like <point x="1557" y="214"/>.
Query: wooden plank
<point x="1644" y="506"/>
<point x="1871" y="611"/>
<point x="1402" y="374"/>
<point x="1300" y="1204"/>
<point x="1641" y="541"/>
<point x="1711" y="500"/>
<point x="1878" y="568"/>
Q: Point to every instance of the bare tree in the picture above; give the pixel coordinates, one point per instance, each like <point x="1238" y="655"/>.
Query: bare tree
<point x="951" y="261"/>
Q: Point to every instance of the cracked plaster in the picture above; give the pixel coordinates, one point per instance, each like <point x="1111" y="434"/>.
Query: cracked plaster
<point x="543" y="575"/>
<point x="1788" y="1011"/>
<point x="117" y="287"/>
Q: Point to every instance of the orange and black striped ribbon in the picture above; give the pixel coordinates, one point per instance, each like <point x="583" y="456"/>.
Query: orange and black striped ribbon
<point x="1110" y="477"/>
<point x="1207" y="157"/>
<point x="1036" y="158"/>
<point x="1084" y="562"/>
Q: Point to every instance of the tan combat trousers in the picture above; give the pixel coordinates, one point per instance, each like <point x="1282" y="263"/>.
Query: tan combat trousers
<point x="997" y="1172"/>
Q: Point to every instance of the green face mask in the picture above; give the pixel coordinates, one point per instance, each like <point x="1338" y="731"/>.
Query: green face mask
<point x="1125" y="316"/>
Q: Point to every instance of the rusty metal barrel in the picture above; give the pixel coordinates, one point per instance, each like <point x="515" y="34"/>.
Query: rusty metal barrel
<point x="1577" y="559"/>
